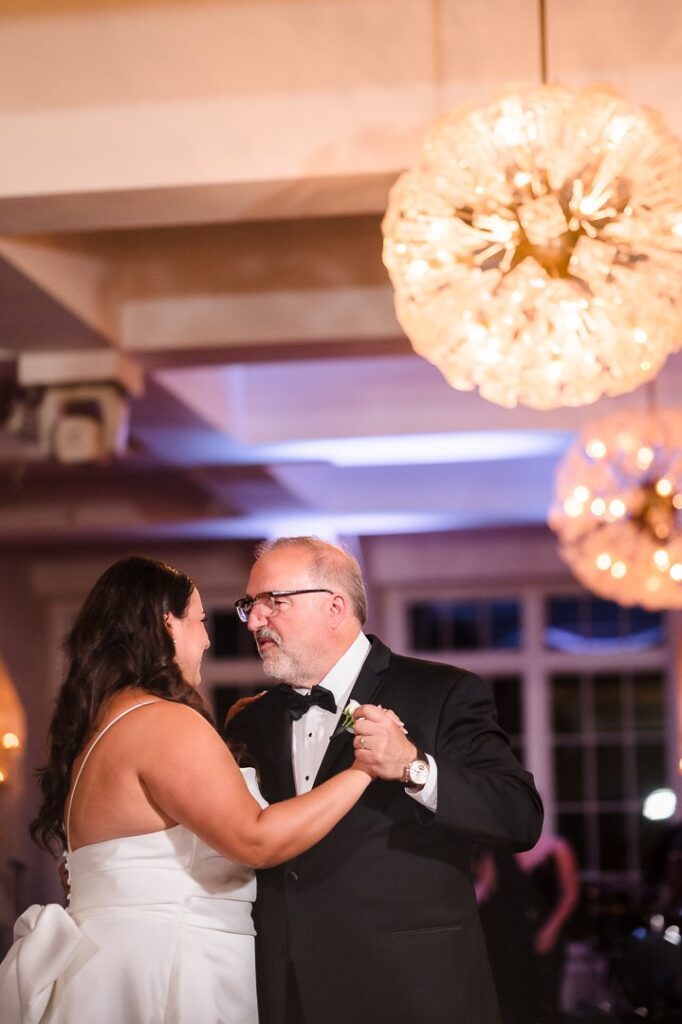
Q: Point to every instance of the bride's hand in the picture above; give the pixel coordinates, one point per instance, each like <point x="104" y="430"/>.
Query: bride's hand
<point x="388" y="712"/>
<point x="358" y="766"/>
<point x="394" y="718"/>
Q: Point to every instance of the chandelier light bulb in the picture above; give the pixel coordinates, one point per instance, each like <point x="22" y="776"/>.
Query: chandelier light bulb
<point x="662" y="559"/>
<point x="596" y="449"/>
<point x="625" y="544"/>
<point x="535" y="248"/>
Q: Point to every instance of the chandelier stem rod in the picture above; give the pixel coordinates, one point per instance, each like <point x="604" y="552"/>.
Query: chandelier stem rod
<point x="542" y="12"/>
<point x="437" y="54"/>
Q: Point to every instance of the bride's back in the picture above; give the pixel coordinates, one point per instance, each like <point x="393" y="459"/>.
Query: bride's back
<point x="109" y="799"/>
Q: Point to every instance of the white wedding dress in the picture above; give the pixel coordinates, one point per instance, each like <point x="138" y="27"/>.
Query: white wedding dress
<point x="158" y="931"/>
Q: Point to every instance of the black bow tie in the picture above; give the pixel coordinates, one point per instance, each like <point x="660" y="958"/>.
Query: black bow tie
<point x="296" y="704"/>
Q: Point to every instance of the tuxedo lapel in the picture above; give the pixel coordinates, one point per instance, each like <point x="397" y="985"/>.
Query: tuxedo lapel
<point x="371" y="677"/>
<point x="339" y="752"/>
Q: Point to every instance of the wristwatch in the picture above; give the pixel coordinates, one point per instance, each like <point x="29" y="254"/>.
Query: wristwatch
<point x="416" y="773"/>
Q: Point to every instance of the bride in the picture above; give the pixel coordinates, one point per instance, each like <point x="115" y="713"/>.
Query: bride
<point x="161" y="828"/>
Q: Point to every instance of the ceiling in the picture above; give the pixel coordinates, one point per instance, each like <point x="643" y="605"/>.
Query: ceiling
<point x="191" y="195"/>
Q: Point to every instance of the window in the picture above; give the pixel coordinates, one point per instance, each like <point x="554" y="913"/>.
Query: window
<point x="229" y="637"/>
<point x="464" y="625"/>
<point x="609" y="753"/>
<point x="584" y="623"/>
<point x="609" y="731"/>
<point x="508" y="696"/>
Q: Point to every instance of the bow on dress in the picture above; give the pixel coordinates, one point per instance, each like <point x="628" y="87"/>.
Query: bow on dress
<point x="46" y="941"/>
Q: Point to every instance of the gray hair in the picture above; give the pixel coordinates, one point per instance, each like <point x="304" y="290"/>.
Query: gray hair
<point x="328" y="564"/>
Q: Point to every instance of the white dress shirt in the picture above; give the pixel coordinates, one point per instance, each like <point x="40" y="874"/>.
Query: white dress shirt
<point x="311" y="733"/>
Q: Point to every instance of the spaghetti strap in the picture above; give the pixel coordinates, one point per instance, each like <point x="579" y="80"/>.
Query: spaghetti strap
<point x="94" y="743"/>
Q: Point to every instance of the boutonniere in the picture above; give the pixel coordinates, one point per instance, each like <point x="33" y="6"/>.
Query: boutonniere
<point x="347" y="722"/>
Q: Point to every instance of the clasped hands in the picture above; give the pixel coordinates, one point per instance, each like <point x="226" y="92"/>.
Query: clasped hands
<point x="381" y="744"/>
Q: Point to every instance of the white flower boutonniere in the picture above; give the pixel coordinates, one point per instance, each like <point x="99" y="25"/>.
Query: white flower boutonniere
<point x="347" y="722"/>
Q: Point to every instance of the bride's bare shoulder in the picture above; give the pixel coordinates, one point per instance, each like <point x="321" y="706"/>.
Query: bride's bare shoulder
<point x="171" y="710"/>
<point x="143" y="711"/>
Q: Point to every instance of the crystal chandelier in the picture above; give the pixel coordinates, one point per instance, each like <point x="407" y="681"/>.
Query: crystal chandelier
<point x="536" y="247"/>
<point x="617" y="508"/>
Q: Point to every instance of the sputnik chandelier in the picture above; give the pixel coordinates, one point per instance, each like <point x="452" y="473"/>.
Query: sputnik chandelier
<point x="536" y="247"/>
<point x="617" y="508"/>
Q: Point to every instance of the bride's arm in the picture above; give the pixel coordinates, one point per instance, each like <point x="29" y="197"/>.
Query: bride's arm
<point x="191" y="775"/>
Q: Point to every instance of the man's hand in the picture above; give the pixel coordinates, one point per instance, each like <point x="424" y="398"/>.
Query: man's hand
<point x="240" y="704"/>
<point x="380" y="742"/>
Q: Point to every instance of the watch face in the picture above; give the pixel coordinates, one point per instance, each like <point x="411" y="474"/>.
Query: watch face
<point x="418" y="772"/>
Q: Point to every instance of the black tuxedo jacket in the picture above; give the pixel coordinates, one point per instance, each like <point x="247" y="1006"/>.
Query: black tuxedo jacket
<point x="379" y="919"/>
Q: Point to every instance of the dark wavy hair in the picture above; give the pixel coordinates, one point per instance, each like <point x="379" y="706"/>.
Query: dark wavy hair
<point x="119" y="640"/>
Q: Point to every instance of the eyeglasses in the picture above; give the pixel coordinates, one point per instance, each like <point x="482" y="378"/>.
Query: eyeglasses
<point x="268" y="602"/>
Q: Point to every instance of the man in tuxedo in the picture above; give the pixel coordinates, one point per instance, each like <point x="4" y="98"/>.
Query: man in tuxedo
<point x="377" y="923"/>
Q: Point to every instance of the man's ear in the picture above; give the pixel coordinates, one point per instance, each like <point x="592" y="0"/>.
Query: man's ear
<point x="339" y="609"/>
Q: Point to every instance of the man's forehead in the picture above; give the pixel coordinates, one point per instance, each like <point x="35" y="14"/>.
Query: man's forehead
<point x="280" y="570"/>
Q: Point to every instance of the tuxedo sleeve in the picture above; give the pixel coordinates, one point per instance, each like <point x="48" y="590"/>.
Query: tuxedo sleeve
<point x="483" y="791"/>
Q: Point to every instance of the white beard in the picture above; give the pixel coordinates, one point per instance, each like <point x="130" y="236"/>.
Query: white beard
<point x="279" y="663"/>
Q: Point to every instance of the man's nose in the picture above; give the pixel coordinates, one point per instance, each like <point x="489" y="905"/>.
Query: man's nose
<point x="257" y="617"/>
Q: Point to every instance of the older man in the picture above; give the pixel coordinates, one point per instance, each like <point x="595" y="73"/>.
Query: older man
<point x="377" y="924"/>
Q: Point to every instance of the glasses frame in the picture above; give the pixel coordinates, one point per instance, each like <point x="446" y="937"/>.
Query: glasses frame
<point x="245" y="605"/>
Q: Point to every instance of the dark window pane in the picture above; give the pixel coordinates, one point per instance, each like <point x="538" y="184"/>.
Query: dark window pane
<point x="612" y="842"/>
<point x="572" y="828"/>
<point x="610" y="778"/>
<point x="444" y="625"/>
<point x="507" y="696"/>
<point x="605" y="619"/>
<point x="647" y="625"/>
<point x="585" y="623"/>
<point x="464" y="632"/>
<point x="608" y="706"/>
<point x="650" y="768"/>
<point x="648" y="692"/>
<point x="566" y="707"/>
<point x="424" y="634"/>
<point x="504" y="624"/>
<point x="229" y="637"/>
<point x="464" y="625"/>
<point x="564" y="613"/>
<point x="568" y="771"/>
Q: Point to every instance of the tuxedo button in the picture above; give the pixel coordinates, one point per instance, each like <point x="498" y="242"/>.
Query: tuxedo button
<point x="292" y="876"/>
